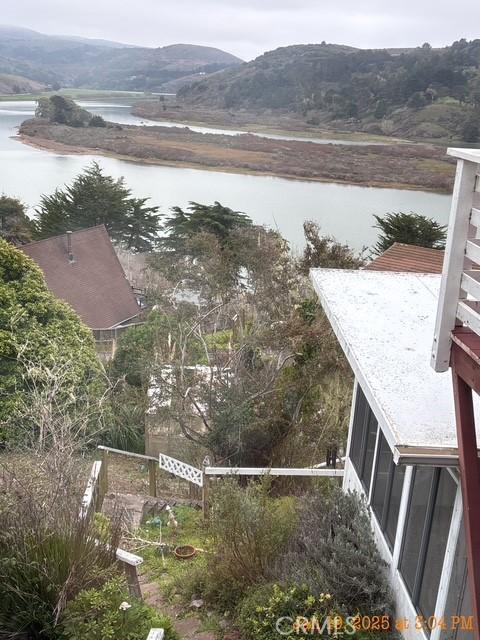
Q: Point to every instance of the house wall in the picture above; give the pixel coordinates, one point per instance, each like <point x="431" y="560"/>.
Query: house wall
<point x="405" y="609"/>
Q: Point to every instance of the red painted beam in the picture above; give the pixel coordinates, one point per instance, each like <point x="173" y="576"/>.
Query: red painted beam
<point x="469" y="471"/>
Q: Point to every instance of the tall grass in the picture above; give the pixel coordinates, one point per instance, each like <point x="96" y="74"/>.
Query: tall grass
<point x="48" y="552"/>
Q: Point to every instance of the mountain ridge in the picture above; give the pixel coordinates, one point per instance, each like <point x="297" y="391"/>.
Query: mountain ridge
<point x="71" y="61"/>
<point x="421" y="92"/>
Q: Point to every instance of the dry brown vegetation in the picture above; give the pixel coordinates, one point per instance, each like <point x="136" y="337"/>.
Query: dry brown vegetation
<point x="410" y="166"/>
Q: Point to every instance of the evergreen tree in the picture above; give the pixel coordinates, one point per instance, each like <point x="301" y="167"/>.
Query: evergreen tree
<point x="44" y="331"/>
<point x="15" y="226"/>
<point x="215" y="219"/>
<point x="94" y="198"/>
<point x="408" y="228"/>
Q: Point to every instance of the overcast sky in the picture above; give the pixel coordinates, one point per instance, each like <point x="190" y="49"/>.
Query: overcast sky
<point x="247" y="28"/>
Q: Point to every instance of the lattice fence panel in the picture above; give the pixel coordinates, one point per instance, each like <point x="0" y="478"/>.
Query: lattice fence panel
<point x="181" y="469"/>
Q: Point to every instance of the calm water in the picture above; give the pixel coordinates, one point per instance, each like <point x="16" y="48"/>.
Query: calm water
<point x="343" y="211"/>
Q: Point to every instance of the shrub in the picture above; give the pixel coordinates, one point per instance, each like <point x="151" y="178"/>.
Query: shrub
<point x="48" y="554"/>
<point x="333" y="550"/>
<point x="97" y="614"/>
<point x="249" y="530"/>
<point x="272" y="611"/>
<point x="97" y="121"/>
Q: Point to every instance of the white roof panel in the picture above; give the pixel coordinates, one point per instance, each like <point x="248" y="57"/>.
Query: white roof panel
<point x="384" y="322"/>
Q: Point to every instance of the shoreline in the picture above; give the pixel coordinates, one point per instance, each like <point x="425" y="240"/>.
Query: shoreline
<point x="54" y="146"/>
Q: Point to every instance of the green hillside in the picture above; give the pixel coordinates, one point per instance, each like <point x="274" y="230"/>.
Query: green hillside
<point x="423" y="92"/>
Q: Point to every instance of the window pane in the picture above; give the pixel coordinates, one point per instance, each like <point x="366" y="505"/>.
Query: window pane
<point x="415" y="524"/>
<point x="459" y="602"/>
<point x="382" y="474"/>
<point x="394" y="506"/>
<point x="361" y="407"/>
<point x="437" y="542"/>
<point x="369" y="450"/>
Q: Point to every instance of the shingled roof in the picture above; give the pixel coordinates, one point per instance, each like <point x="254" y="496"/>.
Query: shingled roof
<point x="408" y="258"/>
<point x="91" y="279"/>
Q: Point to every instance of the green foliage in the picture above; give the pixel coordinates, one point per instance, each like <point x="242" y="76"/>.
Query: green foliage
<point x="96" y="614"/>
<point x="94" y="198"/>
<point x="47" y="556"/>
<point x="62" y="110"/>
<point x="37" y="332"/>
<point x="471" y="131"/>
<point x="249" y="531"/>
<point x="325" y="83"/>
<point x="408" y="228"/>
<point x="295" y="607"/>
<point x="325" y="251"/>
<point x="139" y="346"/>
<point x="214" y="219"/>
<point x="97" y="121"/>
<point x="332" y="550"/>
<point x="15" y="226"/>
<point x="186" y="579"/>
<point x="125" y="428"/>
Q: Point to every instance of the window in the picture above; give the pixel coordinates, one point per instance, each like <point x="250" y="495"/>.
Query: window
<point x="459" y="602"/>
<point x="426" y="533"/>
<point x="364" y="435"/>
<point x="387" y="490"/>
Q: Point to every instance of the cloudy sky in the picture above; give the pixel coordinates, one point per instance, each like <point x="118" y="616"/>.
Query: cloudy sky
<point x="250" y="27"/>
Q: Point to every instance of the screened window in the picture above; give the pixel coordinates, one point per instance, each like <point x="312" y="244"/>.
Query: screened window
<point x="426" y="533"/>
<point x="387" y="490"/>
<point x="364" y="435"/>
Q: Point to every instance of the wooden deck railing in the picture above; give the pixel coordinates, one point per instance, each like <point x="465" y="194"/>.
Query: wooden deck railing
<point x="459" y="299"/>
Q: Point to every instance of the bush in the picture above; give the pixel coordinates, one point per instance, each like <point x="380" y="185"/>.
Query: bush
<point x="333" y="550"/>
<point x="47" y="555"/>
<point x="249" y="530"/>
<point x="97" y="121"/>
<point x="97" y="614"/>
<point x="273" y="611"/>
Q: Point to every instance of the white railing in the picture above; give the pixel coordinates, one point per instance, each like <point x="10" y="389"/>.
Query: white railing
<point x="313" y="472"/>
<point x="459" y="299"/>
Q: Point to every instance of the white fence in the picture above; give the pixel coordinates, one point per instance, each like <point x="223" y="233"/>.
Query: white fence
<point x="181" y="469"/>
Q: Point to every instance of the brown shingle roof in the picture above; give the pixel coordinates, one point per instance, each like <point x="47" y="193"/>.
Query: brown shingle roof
<point x="94" y="284"/>
<point x="408" y="257"/>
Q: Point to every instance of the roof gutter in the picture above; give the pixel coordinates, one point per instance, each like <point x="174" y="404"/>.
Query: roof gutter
<point x="425" y="456"/>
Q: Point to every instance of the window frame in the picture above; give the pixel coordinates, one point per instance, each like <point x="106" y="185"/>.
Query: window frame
<point x="361" y="426"/>
<point x="414" y="593"/>
<point x="382" y="518"/>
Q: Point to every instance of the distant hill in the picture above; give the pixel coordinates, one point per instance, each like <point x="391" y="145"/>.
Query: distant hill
<point x="79" y="62"/>
<point x="10" y="85"/>
<point x="422" y="92"/>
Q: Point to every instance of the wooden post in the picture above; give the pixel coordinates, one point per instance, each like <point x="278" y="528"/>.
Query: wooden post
<point x="469" y="472"/>
<point x="132" y="580"/>
<point x="104" y="472"/>
<point x="152" y="478"/>
<point x="205" y="464"/>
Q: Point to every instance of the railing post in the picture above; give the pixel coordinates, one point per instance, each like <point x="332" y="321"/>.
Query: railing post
<point x="152" y="478"/>
<point x="205" y="487"/>
<point x="104" y="472"/>
<point x="132" y="580"/>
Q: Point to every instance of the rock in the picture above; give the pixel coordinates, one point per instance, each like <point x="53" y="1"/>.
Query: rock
<point x="197" y="604"/>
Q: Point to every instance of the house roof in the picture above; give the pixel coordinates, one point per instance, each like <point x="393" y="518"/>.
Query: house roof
<point x="385" y="322"/>
<point x="408" y="257"/>
<point x="94" y="283"/>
